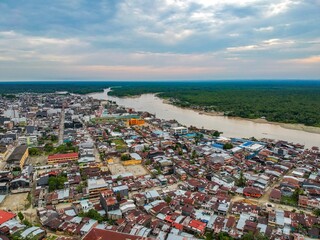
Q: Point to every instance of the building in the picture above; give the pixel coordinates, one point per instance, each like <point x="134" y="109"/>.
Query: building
<point x="180" y="130"/>
<point x="134" y="121"/>
<point x="28" y="140"/>
<point x="108" y="201"/>
<point x="99" y="234"/>
<point x="18" y="156"/>
<point x="252" y="192"/>
<point x="181" y="174"/>
<point x="62" y="158"/>
<point x="275" y="196"/>
<point x="122" y="191"/>
<point x="3" y="153"/>
<point x="96" y="186"/>
<point x="6" y="216"/>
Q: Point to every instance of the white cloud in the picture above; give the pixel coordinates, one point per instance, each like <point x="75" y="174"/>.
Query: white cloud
<point x="307" y="60"/>
<point x="157" y="35"/>
<point x="264" y="29"/>
<point x="280" y="7"/>
<point x="264" y="45"/>
<point x="18" y="47"/>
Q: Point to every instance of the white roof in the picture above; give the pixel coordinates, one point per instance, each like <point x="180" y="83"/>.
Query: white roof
<point x="135" y="156"/>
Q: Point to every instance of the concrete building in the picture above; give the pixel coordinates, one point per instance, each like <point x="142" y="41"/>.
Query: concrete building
<point x="180" y="130"/>
<point x="18" y="156"/>
<point x="62" y="158"/>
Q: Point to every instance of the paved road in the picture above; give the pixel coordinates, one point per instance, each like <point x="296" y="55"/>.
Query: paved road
<point x="61" y="126"/>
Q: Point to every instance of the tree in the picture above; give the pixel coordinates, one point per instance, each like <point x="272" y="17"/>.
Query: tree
<point x="125" y="157"/>
<point x="261" y="236"/>
<point x="253" y="139"/>
<point x="248" y="236"/>
<point x="227" y="146"/>
<point x="54" y="138"/>
<point x="167" y="199"/>
<point x="93" y="214"/>
<point x="209" y="236"/>
<point x="27" y="223"/>
<point x="48" y="147"/>
<point x="223" y="236"/>
<point x="295" y="196"/>
<point x="316" y="212"/>
<point x="241" y="182"/>
<point x="118" y="196"/>
<point x="20" y="215"/>
<point x="34" y="151"/>
<point x="216" y="134"/>
<point x="57" y="182"/>
<point x="194" y="154"/>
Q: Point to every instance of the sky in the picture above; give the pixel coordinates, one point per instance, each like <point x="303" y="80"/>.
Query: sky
<point x="159" y="39"/>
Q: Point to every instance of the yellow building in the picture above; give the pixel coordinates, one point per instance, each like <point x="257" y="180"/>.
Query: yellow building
<point x="3" y="153"/>
<point x="134" y="121"/>
<point x="19" y="156"/>
<point x="63" y="158"/>
<point x="131" y="162"/>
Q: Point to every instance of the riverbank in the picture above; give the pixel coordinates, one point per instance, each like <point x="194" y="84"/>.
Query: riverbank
<point x="298" y="127"/>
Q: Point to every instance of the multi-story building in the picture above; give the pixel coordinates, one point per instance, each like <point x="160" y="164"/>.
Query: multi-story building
<point x="18" y="156"/>
<point x="62" y="158"/>
<point x="28" y="140"/>
<point x="3" y="153"/>
<point x="96" y="186"/>
<point x="180" y="130"/>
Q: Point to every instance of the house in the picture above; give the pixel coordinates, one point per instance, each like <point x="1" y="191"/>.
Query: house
<point x="6" y="216"/>
<point x="152" y="195"/>
<point x="252" y="192"/>
<point x="275" y="196"/>
<point x="122" y="191"/>
<point x="86" y="149"/>
<point x="108" y="201"/>
<point x="99" y="234"/>
<point x="21" y="184"/>
<point x="4" y="188"/>
<point x="197" y="226"/>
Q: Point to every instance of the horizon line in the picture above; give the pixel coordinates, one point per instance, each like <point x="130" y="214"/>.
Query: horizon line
<point x="165" y="80"/>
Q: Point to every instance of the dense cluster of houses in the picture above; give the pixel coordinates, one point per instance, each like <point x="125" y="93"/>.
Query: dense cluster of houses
<point x="124" y="174"/>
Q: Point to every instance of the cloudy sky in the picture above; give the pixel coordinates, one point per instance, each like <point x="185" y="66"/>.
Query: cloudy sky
<point x="159" y="39"/>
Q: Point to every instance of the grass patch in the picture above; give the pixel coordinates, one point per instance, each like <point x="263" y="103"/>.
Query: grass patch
<point x="120" y="144"/>
<point x="291" y="201"/>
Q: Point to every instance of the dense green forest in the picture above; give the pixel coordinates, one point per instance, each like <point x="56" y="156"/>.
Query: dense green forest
<point x="288" y="102"/>
<point x="279" y="101"/>
<point x="50" y="87"/>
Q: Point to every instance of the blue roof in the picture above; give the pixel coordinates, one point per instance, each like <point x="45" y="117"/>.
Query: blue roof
<point x="248" y="143"/>
<point x="217" y="145"/>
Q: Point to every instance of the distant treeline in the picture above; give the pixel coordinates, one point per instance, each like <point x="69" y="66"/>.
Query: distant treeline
<point x="278" y="101"/>
<point x="51" y="87"/>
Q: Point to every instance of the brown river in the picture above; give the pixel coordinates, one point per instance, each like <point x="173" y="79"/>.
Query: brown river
<point x="231" y="127"/>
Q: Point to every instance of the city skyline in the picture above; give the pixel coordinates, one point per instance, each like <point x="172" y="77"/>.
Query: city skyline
<point x="160" y="40"/>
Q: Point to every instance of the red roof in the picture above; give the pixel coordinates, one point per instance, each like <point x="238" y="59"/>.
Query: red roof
<point x="197" y="225"/>
<point x="102" y="234"/>
<point x="5" y="216"/>
<point x="65" y="155"/>
<point x="276" y="194"/>
<point x="177" y="226"/>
